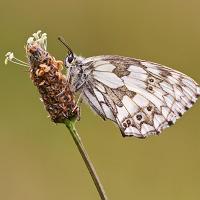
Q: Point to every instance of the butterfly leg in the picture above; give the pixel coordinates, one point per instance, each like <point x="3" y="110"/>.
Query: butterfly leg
<point x="61" y="92"/>
<point x="77" y="107"/>
<point x="79" y="100"/>
<point x="68" y="74"/>
<point x="77" y="112"/>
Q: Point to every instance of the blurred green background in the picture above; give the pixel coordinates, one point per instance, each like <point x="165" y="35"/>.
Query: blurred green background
<point x="38" y="159"/>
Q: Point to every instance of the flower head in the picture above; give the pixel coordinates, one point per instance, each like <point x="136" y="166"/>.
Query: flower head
<point x="38" y="38"/>
<point x="45" y="72"/>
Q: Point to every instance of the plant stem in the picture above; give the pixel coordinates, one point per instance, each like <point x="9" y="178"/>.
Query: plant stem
<point x="70" y="124"/>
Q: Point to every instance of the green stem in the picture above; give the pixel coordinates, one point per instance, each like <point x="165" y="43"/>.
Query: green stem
<point x="70" y="124"/>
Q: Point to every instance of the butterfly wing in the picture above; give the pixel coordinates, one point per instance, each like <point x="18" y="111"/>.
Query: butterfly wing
<point x="142" y="97"/>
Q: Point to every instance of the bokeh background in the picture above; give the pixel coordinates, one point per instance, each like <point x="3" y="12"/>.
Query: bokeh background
<point x="38" y="159"/>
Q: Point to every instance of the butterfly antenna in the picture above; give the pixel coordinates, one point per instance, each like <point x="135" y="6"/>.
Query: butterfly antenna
<point x="65" y="44"/>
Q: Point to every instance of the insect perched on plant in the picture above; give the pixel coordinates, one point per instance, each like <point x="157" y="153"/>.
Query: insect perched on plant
<point x="142" y="97"/>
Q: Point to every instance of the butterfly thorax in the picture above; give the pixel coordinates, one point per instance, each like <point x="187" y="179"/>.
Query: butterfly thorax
<point x="78" y="75"/>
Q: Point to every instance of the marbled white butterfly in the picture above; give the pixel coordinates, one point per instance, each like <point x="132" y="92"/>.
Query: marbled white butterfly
<point x="141" y="97"/>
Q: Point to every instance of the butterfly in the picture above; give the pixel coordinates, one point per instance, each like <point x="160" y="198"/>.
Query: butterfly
<point x="141" y="97"/>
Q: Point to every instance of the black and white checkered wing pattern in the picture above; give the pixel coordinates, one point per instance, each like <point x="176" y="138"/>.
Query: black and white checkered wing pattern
<point x="142" y="97"/>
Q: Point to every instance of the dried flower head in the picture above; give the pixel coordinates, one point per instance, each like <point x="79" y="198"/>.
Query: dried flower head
<point x="45" y="72"/>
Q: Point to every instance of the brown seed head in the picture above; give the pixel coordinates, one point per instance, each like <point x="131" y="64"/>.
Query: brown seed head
<point x="45" y="72"/>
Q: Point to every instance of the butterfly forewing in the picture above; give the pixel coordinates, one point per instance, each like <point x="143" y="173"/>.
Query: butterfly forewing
<point x="142" y="97"/>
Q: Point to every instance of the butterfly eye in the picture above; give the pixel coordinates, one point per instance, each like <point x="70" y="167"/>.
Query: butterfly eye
<point x="70" y="58"/>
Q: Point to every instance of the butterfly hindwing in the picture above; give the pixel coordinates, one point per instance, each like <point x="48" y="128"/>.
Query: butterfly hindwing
<point x="142" y="97"/>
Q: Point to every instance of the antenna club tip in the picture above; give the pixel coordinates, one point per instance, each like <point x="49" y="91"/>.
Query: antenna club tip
<point x="61" y="39"/>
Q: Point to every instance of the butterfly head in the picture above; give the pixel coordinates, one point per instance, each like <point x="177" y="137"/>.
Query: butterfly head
<point x="70" y="58"/>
